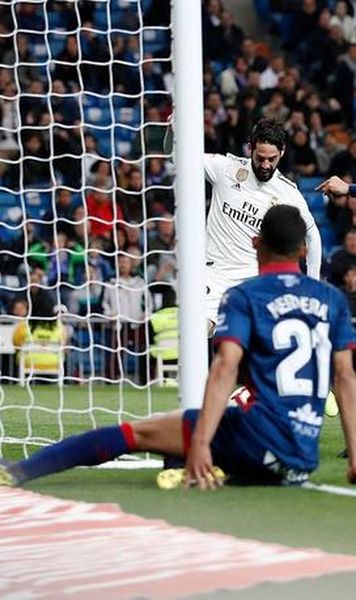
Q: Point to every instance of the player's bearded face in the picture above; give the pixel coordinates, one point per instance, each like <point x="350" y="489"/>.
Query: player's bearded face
<point x="265" y="159"/>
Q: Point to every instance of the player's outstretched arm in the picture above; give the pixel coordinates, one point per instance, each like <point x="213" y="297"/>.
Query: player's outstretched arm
<point x="314" y="252"/>
<point x="221" y="382"/>
<point x="345" y="392"/>
<point x="334" y="186"/>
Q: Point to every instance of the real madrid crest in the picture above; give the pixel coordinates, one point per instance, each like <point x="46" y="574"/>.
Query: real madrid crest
<point x="241" y="174"/>
<point x="274" y="200"/>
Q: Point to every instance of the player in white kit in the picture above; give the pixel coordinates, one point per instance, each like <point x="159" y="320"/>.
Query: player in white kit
<point x="243" y="189"/>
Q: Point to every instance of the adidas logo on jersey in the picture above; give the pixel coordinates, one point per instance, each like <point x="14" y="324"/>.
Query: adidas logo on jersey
<point x="236" y="186"/>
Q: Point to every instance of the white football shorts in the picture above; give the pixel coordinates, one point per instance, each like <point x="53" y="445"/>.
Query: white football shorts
<point x="216" y="285"/>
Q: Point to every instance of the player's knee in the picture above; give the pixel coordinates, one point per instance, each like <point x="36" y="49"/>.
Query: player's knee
<point x="145" y="432"/>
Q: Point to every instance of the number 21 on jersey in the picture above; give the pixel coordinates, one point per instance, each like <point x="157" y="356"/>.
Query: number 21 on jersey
<point x="308" y="341"/>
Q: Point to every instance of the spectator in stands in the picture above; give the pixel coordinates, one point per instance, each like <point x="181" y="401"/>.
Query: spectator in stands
<point x="30" y="16"/>
<point x="19" y="308"/>
<point x="132" y="199"/>
<point x="8" y="142"/>
<point x="162" y="262"/>
<point x="209" y="80"/>
<point x="125" y="76"/>
<point x="342" y="19"/>
<point x="134" y="236"/>
<point x="317" y="131"/>
<point x="232" y="135"/>
<point x="64" y="105"/>
<point x="338" y="213"/>
<point x="303" y="157"/>
<point x="349" y="288"/>
<point x="100" y="214"/>
<point x="255" y="61"/>
<point x="33" y="103"/>
<point x="91" y="154"/>
<point x="87" y="299"/>
<point x="215" y="104"/>
<point x="212" y="141"/>
<point x="99" y="260"/>
<point x="156" y="171"/>
<point x="289" y="84"/>
<point x="122" y="174"/>
<point x="159" y="196"/>
<point x="42" y="300"/>
<point x="94" y="52"/>
<point x="125" y="299"/>
<point x="101" y="175"/>
<point x="232" y="34"/>
<point x="153" y="80"/>
<point x="58" y="268"/>
<point x="134" y="251"/>
<point x="345" y="84"/>
<point x="58" y="215"/>
<point x="304" y="24"/>
<point x="315" y="52"/>
<point x="34" y="246"/>
<point x="25" y="72"/>
<point x="78" y="244"/>
<point x="296" y="122"/>
<point x="344" y="258"/>
<point x="250" y="111"/>
<point x="275" y="70"/>
<point x="233" y="80"/>
<point x="344" y="163"/>
<point x="326" y="152"/>
<point x="66" y="67"/>
<point x="276" y="108"/>
<point x="213" y="35"/>
<point x="67" y="148"/>
<point x="153" y="135"/>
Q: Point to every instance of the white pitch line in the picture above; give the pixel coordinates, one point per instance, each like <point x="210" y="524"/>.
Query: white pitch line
<point x="329" y="489"/>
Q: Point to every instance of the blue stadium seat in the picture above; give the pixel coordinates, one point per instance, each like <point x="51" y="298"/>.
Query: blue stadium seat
<point x="128" y="116"/>
<point x="263" y="9"/>
<point x="55" y="19"/>
<point x="321" y="218"/>
<point x="37" y="203"/>
<point x="329" y="239"/>
<point x="100" y="17"/>
<point x="155" y="40"/>
<point x="308" y="184"/>
<point x="315" y="201"/>
<point x="57" y="44"/>
<point x="8" y="199"/>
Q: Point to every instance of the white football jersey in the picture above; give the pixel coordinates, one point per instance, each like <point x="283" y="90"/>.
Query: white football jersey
<point x="238" y="205"/>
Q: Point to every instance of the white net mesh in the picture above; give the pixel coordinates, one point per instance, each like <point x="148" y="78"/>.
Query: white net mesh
<point x="87" y="244"/>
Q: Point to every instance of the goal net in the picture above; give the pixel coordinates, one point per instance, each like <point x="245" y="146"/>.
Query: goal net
<point x="87" y="223"/>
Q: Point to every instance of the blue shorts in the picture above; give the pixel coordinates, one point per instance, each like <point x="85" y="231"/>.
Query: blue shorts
<point x="237" y="450"/>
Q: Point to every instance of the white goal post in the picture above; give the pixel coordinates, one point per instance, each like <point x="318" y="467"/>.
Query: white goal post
<point x="85" y="91"/>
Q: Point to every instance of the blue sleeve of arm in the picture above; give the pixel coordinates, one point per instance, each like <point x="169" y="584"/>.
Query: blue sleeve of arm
<point x="352" y="190"/>
<point x="234" y="319"/>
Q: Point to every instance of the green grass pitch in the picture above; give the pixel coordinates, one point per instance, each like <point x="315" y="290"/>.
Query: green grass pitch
<point x="292" y="516"/>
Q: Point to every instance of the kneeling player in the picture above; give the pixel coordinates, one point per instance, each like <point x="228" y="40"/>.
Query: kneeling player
<point x="292" y="330"/>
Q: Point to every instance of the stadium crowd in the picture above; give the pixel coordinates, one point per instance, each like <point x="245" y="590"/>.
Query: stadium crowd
<point x="72" y="99"/>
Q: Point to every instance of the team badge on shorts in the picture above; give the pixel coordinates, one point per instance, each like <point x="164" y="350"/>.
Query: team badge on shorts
<point x="241" y="174"/>
<point x="274" y="200"/>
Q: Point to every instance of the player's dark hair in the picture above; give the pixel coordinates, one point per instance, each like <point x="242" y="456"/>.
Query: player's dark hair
<point x="283" y="230"/>
<point x="268" y="131"/>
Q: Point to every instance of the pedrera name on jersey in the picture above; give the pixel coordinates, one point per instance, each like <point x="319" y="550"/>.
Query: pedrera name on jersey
<point x="288" y="302"/>
<point x="241" y="216"/>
